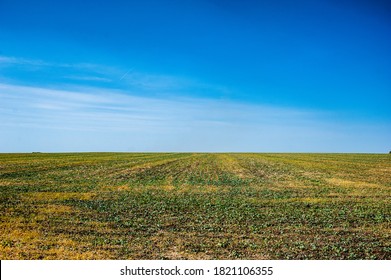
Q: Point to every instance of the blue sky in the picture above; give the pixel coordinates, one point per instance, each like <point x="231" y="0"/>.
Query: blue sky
<point x="205" y="75"/>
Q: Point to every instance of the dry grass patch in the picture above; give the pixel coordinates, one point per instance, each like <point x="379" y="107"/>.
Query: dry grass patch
<point x="351" y="184"/>
<point x="56" y="196"/>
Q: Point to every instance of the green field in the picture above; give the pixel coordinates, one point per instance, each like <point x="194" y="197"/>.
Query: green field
<point x="195" y="206"/>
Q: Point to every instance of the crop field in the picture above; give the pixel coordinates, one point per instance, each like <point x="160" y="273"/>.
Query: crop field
<point x="195" y="206"/>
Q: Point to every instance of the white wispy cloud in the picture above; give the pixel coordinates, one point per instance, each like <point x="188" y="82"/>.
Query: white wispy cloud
<point x="87" y="78"/>
<point x="87" y="73"/>
<point x="101" y="119"/>
<point x="10" y="60"/>
<point x="150" y="81"/>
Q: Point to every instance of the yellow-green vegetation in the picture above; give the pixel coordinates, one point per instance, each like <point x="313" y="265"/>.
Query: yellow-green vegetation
<point x="195" y="206"/>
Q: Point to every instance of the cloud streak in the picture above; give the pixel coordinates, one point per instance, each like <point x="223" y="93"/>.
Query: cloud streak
<point x="31" y="71"/>
<point x="7" y="61"/>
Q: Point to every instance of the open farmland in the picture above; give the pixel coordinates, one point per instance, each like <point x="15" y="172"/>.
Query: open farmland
<point x="195" y="206"/>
